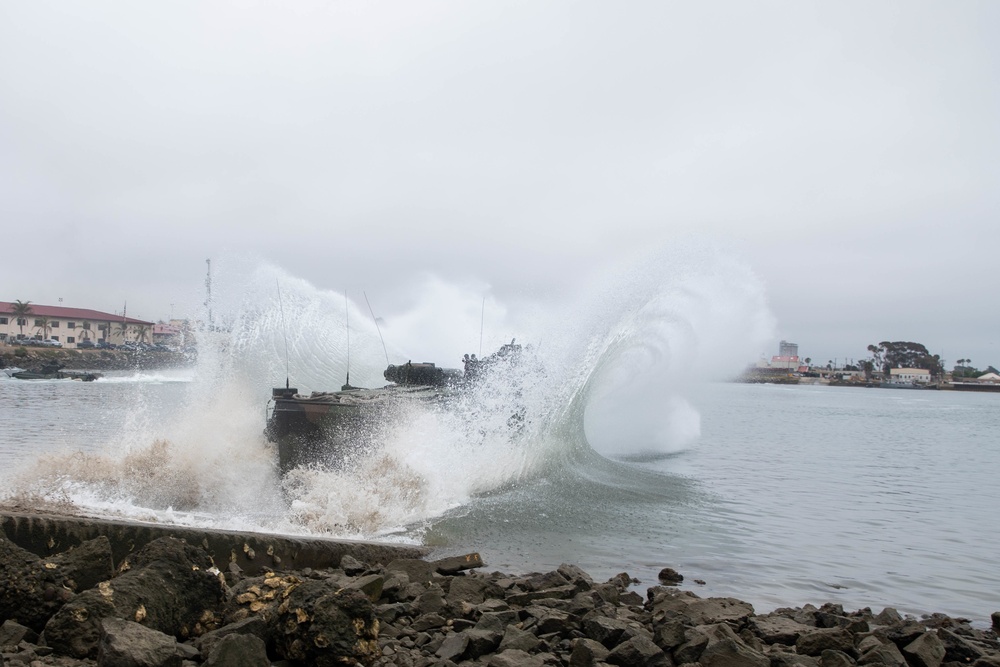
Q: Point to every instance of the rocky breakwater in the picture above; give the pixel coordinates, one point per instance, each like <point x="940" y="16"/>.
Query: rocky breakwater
<point x="94" y="360"/>
<point x="168" y="605"/>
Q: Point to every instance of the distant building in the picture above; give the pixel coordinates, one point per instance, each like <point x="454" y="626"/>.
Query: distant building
<point x="176" y="333"/>
<point x="786" y="349"/>
<point x="905" y="375"/>
<point x="783" y="361"/>
<point x="69" y="326"/>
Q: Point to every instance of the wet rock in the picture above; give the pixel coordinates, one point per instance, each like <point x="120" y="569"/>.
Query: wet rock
<point x="815" y="642"/>
<point x="453" y="647"/>
<point x="515" y="658"/>
<point x="129" y="644"/>
<point x="698" y="638"/>
<point x="473" y="590"/>
<point x="430" y="601"/>
<point x="13" y="633"/>
<point x="995" y="619"/>
<point x="322" y="625"/>
<point x="485" y="636"/>
<point x="558" y="593"/>
<point x="668" y="602"/>
<point x="884" y="654"/>
<point x="165" y="586"/>
<point x="602" y="629"/>
<point x="417" y="614"/>
<point x="576" y="576"/>
<point x="32" y="589"/>
<point x="238" y="650"/>
<point x="86" y="565"/>
<point x="902" y="634"/>
<point x="416" y="570"/>
<point x="669" y="634"/>
<point x="925" y="651"/>
<point x="457" y="564"/>
<point x="832" y="658"/>
<point x="516" y="638"/>
<point x="587" y="653"/>
<point x="888" y="616"/>
<point x="549" y="621"/>
<point x="958" y="648"/>
<point x="370" y="585"/>
<point x="254" y="625"/>
<point x="351" y="565"/>
<point x="670" y="577"/>
<point x="642" y="652"/>
<point x="786" y="659"/>
<point x="778" y="629"/>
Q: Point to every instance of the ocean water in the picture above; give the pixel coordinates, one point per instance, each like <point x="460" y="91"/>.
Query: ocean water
<point x="633" y="455"/>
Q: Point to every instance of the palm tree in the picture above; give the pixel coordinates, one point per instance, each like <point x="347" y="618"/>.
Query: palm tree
<point x="141" y="332"/>
<point x="43" y="324"/>
<point x="21" y="310"/>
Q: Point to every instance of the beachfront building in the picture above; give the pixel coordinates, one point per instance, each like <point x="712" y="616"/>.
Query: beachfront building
<point x="907" y="375"/>
<point x="70" y="326"/>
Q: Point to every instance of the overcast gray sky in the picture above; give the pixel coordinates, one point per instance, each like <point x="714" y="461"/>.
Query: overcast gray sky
<point x="846" y="151"/>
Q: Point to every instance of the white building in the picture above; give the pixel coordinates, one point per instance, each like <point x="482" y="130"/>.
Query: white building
<point x="905" y="375"/>
<point x="69" y="326"/>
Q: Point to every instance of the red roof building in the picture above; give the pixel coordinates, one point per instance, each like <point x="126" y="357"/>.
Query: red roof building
<point x="69" y="326"/>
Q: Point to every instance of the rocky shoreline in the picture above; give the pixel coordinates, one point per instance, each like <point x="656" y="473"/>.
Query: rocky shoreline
<point x="92" y="360"/>
<point x="168" y="604"/>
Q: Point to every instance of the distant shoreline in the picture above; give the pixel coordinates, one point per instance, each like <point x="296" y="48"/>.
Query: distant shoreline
<point x="93" y="360"/>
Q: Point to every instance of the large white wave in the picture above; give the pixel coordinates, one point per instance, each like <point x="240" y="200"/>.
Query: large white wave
<point x="617" y="362"/>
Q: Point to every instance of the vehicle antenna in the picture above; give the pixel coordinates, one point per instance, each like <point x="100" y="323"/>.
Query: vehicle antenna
<point x="284" y="331"/>
<point x="482" y="319"/>
<point x="379" y="330"/>
<point x="347" y="325"/>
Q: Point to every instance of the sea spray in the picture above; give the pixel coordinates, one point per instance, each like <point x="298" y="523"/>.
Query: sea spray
<point x="625" y="352"/>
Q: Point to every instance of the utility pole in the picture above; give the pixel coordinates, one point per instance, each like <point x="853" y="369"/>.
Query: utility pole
<point x="208" y="292"/>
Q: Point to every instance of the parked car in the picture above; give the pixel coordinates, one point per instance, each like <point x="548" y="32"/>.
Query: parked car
<point x="49" y="343"/>
<point x="86" y="344"/>
<point x="105" y="345"/>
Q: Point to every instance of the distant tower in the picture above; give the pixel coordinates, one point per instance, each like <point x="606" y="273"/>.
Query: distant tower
<point x="786" y="349"/>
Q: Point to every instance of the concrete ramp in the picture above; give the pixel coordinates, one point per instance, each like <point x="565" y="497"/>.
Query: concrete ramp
<point x="47" y="534"/>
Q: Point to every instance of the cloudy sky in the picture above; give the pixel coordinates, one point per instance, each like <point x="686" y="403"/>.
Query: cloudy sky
<point x="847" y="152"/>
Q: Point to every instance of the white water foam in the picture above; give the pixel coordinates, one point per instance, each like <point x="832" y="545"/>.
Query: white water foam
<point x="626" y="349"/>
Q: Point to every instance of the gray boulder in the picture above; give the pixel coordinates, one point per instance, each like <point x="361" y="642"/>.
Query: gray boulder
<point x="515" y="658"/>
<point x="778" y="629"/>
<point x="884" y="654"/>
<point x="238" y="650"/>
<point x="832" y="658"/>
<point x="587" y="653"/>
<point x="253" y="625"/>
<point x="819" y="640"/>
<point x="925" y="651"/>
<point x="642" y="652"/>
<point x="13" y="633"/>
<point x="129" y="644"/>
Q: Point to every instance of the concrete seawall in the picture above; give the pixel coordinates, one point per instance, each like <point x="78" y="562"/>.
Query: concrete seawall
<point x="45" y="534"/>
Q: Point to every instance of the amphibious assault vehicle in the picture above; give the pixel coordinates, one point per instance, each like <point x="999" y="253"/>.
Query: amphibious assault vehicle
<point x="325" y="427"/>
